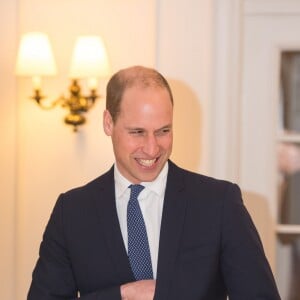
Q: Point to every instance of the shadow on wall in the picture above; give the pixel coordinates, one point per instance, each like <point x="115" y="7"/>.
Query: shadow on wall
<point x="257" y="206"/>
<point x="187" y="126"/>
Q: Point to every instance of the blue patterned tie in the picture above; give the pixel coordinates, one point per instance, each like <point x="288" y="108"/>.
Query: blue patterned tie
<point x="138" y="246"/>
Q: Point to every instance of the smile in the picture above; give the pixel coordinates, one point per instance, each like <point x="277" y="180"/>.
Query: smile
<point x="147" y="162"/>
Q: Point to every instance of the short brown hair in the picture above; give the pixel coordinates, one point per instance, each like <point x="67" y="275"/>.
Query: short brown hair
<point x="129" y="77"/>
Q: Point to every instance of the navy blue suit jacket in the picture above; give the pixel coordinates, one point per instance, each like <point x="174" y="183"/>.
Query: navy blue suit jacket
<point x="209" y="247"/>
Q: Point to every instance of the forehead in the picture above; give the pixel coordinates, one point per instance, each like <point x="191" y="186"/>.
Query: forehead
<point x="146" y="107"/>
<point x="140" y="95"/>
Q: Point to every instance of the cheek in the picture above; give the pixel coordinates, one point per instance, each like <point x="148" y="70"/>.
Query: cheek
<point x="126" y="144"/>
<point x="166" y="143"/>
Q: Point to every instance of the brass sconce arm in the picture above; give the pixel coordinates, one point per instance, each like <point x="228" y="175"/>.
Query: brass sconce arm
<point x="77" y="104"/>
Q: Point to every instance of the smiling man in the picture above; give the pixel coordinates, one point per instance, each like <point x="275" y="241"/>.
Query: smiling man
<point x="148" y="229"/>
<point x="141" y="131"/>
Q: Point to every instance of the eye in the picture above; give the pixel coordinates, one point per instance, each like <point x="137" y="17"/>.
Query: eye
<point x="166" y="130"/>
<point x="136" y="132"/>
<point x="163" y="131"/>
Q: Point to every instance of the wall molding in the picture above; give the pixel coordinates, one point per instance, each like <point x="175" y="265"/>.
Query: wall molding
<point x="225" y="118"/>
<point x="271" y="7"/>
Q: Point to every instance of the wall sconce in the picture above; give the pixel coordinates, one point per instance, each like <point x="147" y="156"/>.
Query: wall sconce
<point x="89" y="60"/>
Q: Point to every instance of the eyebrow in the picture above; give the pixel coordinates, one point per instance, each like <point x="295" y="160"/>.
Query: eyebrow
<point x="169" y="126"/>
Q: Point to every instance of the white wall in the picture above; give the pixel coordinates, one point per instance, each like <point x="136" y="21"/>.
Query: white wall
<point x="42" y="157"/>
<point x="185" y="41"/>
<point x="8" y="144"/>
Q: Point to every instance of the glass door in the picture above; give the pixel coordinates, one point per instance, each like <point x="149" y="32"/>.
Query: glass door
<point x="288" y="145"/>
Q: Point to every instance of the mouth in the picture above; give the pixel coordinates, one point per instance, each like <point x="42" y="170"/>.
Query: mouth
<point x="147" y="163"/>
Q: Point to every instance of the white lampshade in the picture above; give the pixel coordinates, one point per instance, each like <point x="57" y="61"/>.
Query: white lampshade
<point x="89" y="58"/>
<point x="35" y="57"/>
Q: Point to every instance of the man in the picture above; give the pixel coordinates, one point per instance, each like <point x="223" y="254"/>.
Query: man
<point x="199" y="241"/>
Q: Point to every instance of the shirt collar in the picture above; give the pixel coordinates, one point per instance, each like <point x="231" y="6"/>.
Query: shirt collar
<point x="157" y="186"/>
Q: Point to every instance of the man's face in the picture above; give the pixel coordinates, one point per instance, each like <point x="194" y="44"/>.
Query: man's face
<point x="142" y="134"/>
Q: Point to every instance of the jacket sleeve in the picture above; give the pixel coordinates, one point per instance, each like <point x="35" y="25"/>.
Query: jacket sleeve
<point x="245" y="268"/>
<point x="53" y="277"/>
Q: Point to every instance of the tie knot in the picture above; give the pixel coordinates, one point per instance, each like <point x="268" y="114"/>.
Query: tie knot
<point x="136" y="189"/>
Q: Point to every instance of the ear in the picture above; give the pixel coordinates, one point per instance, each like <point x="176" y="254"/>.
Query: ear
<point x="108" y="123"/>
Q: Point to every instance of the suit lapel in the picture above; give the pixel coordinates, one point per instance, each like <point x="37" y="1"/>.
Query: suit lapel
<point x="106" y="207"/>
<point x="170" y="233"/>
<point x="171" y="229"/>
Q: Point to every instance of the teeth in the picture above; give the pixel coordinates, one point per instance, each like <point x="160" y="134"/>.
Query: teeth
<point x="147" y="162"/>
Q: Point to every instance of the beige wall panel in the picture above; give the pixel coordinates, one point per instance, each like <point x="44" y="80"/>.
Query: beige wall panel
<point x="8" y="117"/>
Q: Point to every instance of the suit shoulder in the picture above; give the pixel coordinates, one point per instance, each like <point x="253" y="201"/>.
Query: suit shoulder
<point x="94" y="186"/>
<point x="200" y="178"/>
<point x="197" y="180"/>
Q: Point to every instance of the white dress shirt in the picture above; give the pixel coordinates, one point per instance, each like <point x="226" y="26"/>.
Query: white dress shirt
<point x="151" y="201"/>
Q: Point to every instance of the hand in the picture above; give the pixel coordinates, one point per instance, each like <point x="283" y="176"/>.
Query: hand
<point x="138" y="290"/>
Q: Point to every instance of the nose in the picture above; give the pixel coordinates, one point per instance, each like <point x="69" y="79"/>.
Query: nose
<point x="151" y="147"/>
